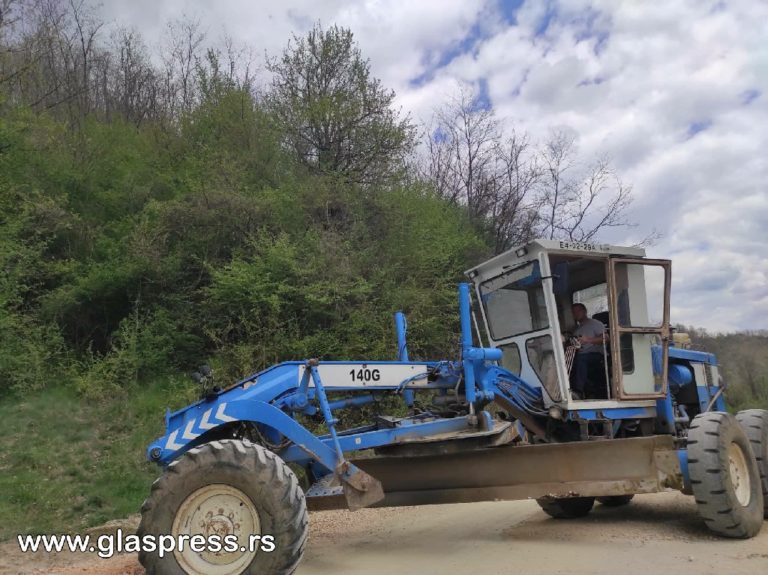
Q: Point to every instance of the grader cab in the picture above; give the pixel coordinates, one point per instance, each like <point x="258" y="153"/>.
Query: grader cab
<point x="526" y="297"/>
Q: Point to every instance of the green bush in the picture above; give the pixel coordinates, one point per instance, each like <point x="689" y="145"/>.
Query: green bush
<point x="143" y="348"/>
<point x="31" y="356"/>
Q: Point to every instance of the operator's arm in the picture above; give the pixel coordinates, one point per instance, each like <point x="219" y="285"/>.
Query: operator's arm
<point x="596" y="334"/>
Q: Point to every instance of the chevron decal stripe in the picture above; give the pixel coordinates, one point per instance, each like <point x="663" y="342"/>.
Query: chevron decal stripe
<point x="222" y="416"/>
<point x="188" y="431"/>
<point x="204" y="423"/>
<point x="171" y="443"/>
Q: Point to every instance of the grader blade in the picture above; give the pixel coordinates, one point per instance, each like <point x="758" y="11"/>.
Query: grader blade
<point x="592" y="468"/>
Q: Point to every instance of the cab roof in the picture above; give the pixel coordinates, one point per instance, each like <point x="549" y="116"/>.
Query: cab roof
<point x="531" y="250"/>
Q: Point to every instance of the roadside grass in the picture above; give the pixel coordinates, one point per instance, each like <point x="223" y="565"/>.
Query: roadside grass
<point x="68" y="463"/>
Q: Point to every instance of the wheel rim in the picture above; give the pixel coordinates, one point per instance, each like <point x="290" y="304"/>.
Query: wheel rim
<point x="216" y="510"/>
<point x="739" y="474"/>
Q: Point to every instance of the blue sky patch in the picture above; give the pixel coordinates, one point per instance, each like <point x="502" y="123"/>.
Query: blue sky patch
<point x="465" y="46"/>
<point x="509" y="8"/>
<point x="590" y="27"/>
<point x="698" y="127"/>
<point x="596" y="81"/>
<point x="749" y="96"/>
<point x="439" y="136"/>
<point x="543" y="25"/>
<point x="482" y="98"/>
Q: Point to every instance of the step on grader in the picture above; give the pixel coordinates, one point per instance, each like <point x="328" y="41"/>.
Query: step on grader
<point x="536" y="406"/>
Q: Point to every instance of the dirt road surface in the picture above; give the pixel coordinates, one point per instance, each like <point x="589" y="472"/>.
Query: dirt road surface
<point x="654" y="534"/>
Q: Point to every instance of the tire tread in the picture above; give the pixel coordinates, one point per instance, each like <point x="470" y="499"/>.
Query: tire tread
<point x="708" y="467"/>
<point x="266" y="469"/>
<point x="755" y="425"/>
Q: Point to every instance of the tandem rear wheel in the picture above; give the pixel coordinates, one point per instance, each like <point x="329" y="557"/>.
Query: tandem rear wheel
<point x="754" y="422"/>
<point x="566" y="507"/>
<point x="615" y="500"/>
<point x="233" y="488"/>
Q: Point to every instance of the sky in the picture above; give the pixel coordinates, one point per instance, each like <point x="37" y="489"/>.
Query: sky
<point x="674" y="93"/>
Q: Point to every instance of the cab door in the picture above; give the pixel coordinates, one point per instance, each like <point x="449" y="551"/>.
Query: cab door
<point x="639" y="301"/>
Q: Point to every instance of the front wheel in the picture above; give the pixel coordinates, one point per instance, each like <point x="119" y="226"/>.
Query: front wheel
<point x="228" y="488"/>
<point x="724" y="476"/>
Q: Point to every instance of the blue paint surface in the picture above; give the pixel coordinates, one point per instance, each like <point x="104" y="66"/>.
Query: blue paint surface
<point x="692" y="355"/>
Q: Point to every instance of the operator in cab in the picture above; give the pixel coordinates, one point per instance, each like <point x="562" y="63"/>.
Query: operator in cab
<point x="589" y="357"/>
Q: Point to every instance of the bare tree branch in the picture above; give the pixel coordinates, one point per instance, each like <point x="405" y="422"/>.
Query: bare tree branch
<point x="469" y="162"/>
<point x="512" y="190"/>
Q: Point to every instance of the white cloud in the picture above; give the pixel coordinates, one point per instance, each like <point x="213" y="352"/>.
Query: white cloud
<point x="630" y="78"/>
<point x="402" y="38"/>
<point x="632" y="81"/>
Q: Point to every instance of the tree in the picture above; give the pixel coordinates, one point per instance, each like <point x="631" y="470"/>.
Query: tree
<point x="183" y="44"/>
<point x="463" y="146"/>
<point x="8" y="14"/>
<point x="579" y="202"/>
<point x="336" y="117"/>
<point x="513" y="190"/>
<point x="52" y="52"/>
<point x="471" y="162"/>
<point x="130" y="86"/>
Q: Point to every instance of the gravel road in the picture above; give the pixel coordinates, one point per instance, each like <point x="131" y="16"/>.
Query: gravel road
<point x="654" y="534"/>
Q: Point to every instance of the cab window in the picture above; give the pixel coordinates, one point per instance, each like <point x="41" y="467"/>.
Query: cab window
<point x="514" y="302"/>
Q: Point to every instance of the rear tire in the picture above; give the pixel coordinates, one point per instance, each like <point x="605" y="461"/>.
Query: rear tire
<point x="754" y="422"/>
<point x="566" y="507"/>
<point x="226" y="487"/>
<point x="724" y="476"/>
<point x="615" y="500"/>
